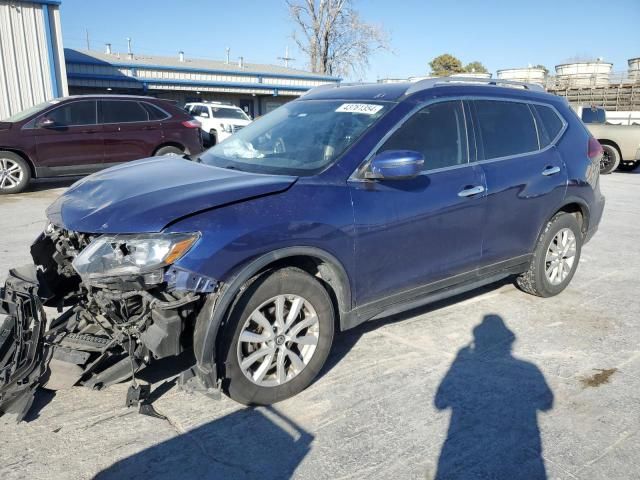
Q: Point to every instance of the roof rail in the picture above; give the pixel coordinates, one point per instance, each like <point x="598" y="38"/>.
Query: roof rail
<point x="327" y="86"/>
<point x="435" y="82"/>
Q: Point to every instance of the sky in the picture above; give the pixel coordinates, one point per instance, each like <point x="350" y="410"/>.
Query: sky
<point x="498" y="33"/>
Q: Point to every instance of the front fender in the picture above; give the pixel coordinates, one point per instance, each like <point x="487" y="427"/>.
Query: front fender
<point x="215" y="310"/>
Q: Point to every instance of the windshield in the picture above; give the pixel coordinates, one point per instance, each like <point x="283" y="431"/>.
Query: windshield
<point x="18" y="117"/>
<point x="234" y="113"/>
<point x="299" y="138"/>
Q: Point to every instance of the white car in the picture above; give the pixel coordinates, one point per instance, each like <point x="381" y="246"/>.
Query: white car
<point x="219" y="120"/>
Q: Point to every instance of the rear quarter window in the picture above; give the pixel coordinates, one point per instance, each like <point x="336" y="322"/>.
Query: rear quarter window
<point x="549" y="124"/>
<point x="506" y="128"/>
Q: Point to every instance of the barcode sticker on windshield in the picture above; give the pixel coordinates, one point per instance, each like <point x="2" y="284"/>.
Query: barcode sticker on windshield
<point x="366" y="108"/>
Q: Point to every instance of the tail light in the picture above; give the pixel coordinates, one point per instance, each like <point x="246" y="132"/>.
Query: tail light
<point x="594" y="149"/>
<point x="196" y="124"/>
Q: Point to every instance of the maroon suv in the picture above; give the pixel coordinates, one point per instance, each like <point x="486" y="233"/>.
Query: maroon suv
<point x="82" y="134"/>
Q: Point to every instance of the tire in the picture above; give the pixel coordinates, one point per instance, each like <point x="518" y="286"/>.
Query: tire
<point x="610" y="159"/>
<point x="628" y="166"/>
<point x="262" y="296"/>
<point x="536" y="280"/>
<point x="169" y="150"/>
<point x="213" y="138"/>
<point x="15" y="173"/>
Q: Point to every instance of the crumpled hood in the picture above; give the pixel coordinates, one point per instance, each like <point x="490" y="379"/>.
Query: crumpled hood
<point x="146" y="195"/>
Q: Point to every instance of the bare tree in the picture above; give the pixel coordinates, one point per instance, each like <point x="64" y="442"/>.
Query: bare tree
<point x="332" y="35"/>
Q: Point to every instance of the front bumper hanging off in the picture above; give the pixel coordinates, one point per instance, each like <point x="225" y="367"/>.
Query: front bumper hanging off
<point x="23" y="355"/>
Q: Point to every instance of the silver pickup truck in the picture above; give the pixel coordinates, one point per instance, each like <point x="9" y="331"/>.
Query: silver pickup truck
<point x="621" y="143"/>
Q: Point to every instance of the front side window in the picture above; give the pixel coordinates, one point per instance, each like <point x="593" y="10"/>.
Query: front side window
<point x="299" y="138"/>
<point x="74" y="113"/>
<point x="123" y="111"/>
<point x="437" y="131"/>
<point x="506" y="128"/>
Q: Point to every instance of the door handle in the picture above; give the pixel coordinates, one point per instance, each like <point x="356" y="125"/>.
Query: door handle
<point x="470" y="191"/>
<point x="550" y="171"/>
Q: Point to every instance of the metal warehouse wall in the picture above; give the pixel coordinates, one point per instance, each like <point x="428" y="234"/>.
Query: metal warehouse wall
<point x="32" y="67"/>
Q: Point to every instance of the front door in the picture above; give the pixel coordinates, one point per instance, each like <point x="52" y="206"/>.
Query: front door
<point x="526" y="177"/>
<point x="68" y="139"/>
<point x="412" y="233"/>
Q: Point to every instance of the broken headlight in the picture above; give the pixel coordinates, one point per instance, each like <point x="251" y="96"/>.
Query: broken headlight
<point x="132" y="255"/>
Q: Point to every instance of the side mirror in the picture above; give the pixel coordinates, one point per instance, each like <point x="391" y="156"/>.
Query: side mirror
<point x="395" y="165"/>
<point x="45" y="122"/>
<point x="204" y="115"/>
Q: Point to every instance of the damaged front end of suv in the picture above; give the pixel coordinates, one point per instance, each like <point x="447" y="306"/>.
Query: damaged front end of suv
<point x="121" y="306"/>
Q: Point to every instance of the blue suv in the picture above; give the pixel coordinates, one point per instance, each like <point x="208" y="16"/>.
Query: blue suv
<point x="351" y="203"/>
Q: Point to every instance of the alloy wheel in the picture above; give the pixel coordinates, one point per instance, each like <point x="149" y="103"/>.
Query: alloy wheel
<point x="606" y="160"/>
<point x="560" y="256"/>
<point x="11" y="173"/>
<point x="278" y="340"/>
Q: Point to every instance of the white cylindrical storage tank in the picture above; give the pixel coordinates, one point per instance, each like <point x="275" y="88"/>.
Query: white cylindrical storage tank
<point x="472" y="75"/>
<point x="583" y="74"/>
<point x="32" y="68"/>
<point x="527" y="75"/>
<point x="634" y="68"/>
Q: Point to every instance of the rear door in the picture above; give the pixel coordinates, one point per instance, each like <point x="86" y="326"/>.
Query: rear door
<point x="129" y="133"/>
<point x="526" y="177"/>
<point x="415" y="232"/>
<point x="73" y="142"/>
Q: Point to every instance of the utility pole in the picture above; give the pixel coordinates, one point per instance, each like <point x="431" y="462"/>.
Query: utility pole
<point x="86" y="31"/>
<point x="286" y="57"/>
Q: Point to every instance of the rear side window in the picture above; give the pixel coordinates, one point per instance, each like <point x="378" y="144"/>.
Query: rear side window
<point x="549" y="124"/>
<point x="506" y="128"/>
<point x="74" y="113"/>
<point x="123" y="111"/>
<point x="154" y="112"/>
<point x="437" y="131"/>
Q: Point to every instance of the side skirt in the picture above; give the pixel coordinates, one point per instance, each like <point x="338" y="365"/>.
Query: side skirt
<point x="434" y="292"/>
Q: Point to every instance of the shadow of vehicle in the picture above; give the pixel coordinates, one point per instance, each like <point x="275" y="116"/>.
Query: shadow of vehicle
<point x="251" y="443"/>
<point x="494" y="400"/>
<point x="42" y="184"/>
<point x="345" y="341"/>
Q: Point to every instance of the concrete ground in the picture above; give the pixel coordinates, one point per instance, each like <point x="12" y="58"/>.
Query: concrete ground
<point x="494" y="381"/>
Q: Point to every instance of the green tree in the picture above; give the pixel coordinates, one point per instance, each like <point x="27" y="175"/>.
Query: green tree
<point x="475" y="67"/>
<point x="546" y="70"/>
<point x="444" y="65"/>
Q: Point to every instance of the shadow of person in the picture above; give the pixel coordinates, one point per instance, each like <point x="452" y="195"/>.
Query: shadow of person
<point x="494" y="400"/>
<point x="250" y="443"/>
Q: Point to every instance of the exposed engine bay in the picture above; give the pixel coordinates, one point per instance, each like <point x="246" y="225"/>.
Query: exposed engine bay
<point x="106" y="331"/>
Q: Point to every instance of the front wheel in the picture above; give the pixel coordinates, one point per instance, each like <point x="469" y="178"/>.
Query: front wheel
<point x="278" y="337"/>
<point x="14" y="173"/>
<point x="555" y="258"/>
<point x="610" y="159"/>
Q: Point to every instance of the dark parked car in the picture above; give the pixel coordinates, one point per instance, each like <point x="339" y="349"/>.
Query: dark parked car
<point x="351" y="203"/>
<point x="84" y="134"/>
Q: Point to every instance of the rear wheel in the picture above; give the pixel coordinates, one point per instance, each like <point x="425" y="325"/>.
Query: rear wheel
<point x="15" y="173"/>
<point x="555" y="258"/>
<point x="213" y="138"/>
<point x="278" y="337"/>
<point x="628" y="166"/>
<point x="169" y="150"/>
<point x="610" y="159"/>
